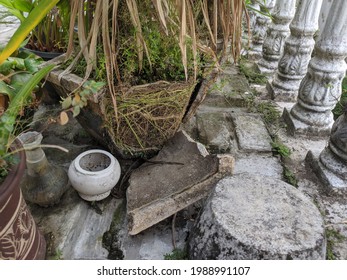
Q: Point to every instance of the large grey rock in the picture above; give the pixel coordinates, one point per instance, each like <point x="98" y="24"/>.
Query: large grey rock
<point x="256" y="217"/>
<point x="182" y="173"/>
<point x="251" y="133"/>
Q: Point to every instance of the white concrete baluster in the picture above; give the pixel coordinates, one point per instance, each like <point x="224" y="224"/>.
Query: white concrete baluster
<point x="320" y="89"/>
<point x="323" y="14"/>
<point x="298" y="47"/>
<point x="277" y="33"/>
<point x="331" y="166"/>
<point x="253" y="14"/>
<point x="260" y="28"/>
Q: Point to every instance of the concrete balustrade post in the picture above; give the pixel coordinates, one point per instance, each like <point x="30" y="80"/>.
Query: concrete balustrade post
<point x="277" y="33"/>
<point x="320" y="89"/>
<point x="253" y="14"/>
<point x="298" y="48"/>
<point x="259" y="31"/>
<point x="331" y="165"/>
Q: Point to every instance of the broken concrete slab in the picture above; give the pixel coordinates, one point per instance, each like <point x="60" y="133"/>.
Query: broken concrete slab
<point x="251" y="133"/>
<point x="215" y="130"/>
<point x="182" y="173"/>
<point x="261" y="164"/>
<point x="257" y="217"/>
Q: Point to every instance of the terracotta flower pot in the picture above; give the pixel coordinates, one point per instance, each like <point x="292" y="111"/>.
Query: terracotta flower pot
<point x="19" y="236"/>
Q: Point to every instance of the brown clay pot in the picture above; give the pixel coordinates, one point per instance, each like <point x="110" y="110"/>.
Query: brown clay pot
<point x="20" y="238"/>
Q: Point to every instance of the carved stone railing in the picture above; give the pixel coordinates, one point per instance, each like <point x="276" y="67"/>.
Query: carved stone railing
<point x="278" y="31"/>
<point x="298" y="47"/>
<point x="260" y="28"/>
<point x="331" y="165"/>
<point x="320" y="89"/>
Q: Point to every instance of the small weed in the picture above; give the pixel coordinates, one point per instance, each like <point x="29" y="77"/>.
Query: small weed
<point x="251" y="74"/>
<point x="341" y="105"/>
<point x="333" y="237"/>
<point x="271" y="115"/>
<point x="177" y="254"/>
<point x="58" y="255"/>
<point x="281" y="149"/>
<point x="289" y="176"/>
<point x="218" y="86"/>
<point x="110" y="238"/>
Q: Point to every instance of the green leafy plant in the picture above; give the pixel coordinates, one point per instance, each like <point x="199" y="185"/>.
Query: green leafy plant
<point x="79" y="99"/>
<point x="18" y="95"/>
<point x="281" y="149"/>
<point x="251" y="74"/>
<point x="333" y="237"/>
<point x="271" y="115"/>
<point x="51" y="33"/>
<point x="27" y="25"/>
<point x="58" y="255"/>
<point x="17" y="71"/>
<point x="177" y="254"/>
<point x="17" y="8"/>
<point x="289" y="176"/>
<point x="341" y="105"/>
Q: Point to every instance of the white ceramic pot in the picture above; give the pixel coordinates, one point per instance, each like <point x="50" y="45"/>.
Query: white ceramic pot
<point x="93" y="174"/>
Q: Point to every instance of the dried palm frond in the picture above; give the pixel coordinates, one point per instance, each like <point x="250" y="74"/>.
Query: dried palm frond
<point x="183" y="33"/>
<point x="222" y="19"/>
<point x="162" y="11"/>
<point x="115" y="24"/>
<point x="109" y="62"/>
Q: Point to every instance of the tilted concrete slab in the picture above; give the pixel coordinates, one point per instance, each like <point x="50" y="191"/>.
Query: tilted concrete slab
<point x="182" y="173"/>
<point x="251" y="133"/>
<point x="215" y="130"/>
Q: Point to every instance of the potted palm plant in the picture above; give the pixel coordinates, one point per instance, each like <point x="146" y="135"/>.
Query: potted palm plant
<point x="49" y="38"/>
<point x="149" y="55"/>
<point x="19" y="235"/>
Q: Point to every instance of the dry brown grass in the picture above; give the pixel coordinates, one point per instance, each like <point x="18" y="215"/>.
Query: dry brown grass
<point x="149" y="114"/>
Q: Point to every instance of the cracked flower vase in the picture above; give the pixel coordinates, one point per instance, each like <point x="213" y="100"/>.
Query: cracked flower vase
<point x="93" y="174"/>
